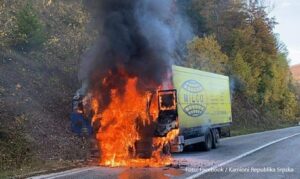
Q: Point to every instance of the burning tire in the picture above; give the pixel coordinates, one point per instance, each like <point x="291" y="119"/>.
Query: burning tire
<point x="143" y="149"/>
<point x="94" y="149"/>
<point x="167" y="149"/>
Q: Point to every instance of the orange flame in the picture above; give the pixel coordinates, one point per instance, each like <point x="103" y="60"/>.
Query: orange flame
<point x="118" y="133"/>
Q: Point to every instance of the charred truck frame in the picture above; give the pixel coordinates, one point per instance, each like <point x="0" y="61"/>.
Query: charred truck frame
<point x="199" y="106"/>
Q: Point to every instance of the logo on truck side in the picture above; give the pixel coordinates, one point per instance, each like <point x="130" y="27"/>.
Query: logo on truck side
<point x="191" y="98"/>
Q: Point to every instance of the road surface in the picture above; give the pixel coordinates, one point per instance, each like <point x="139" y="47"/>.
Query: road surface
<point x="271" y="154"/>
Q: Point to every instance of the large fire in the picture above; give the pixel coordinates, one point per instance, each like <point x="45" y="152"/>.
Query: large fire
<point x="124" y="75"/>
<point x="121" y="124"/>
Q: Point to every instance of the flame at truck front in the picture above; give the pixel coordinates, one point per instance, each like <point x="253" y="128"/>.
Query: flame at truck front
<point x="127" y="124"/>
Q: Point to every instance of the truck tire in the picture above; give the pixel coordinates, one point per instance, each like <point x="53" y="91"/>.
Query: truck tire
<point x="143" y="149"/>
<point x="94" y="152"/>
<point x="216" y="138"/>
<point x="208" y="140"/>
<point x="167" y="149"/>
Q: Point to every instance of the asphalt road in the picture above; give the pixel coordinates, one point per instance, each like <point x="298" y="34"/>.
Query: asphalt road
<point x="282" y="160"/>
<point x="272" y="154"/>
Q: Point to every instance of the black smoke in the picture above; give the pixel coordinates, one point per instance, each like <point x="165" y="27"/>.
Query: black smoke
<point x="137" y="38"/>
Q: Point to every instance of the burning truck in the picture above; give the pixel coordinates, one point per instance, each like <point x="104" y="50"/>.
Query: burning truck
<point x="135" y="104"/>
<point x="142" y="129"/>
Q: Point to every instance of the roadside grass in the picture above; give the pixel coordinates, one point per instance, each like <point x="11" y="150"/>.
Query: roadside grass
<point x="18" y="158"/>
<point x="38" y="167"/>
<point x="240" y="129"/>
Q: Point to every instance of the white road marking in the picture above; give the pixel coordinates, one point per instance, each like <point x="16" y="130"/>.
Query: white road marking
<point x="239" y="157"/>
<point x="65" y="173"/>
<point x="258" y="133"/>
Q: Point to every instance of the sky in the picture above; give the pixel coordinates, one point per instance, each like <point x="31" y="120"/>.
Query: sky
<point x="287" y="14"/>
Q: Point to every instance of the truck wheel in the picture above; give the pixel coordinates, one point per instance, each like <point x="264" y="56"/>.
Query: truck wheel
<point x="143" y="149"/>
<point x="216" y="138"/>
<point x="207" y="144"/>
<point x="167" y="149"/>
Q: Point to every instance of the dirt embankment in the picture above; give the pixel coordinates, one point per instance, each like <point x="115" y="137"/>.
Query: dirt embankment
<point x="37" y="85"/>
<point x="35" y="101"/>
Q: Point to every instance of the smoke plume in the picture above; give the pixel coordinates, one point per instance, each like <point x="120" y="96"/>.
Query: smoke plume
<point x="137" y="38"/>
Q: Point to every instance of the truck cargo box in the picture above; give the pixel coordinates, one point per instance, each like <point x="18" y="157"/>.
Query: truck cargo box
<point x="203" y="99"/>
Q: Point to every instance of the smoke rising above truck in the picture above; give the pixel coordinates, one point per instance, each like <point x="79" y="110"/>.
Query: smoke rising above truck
<point x="139" y="38"/>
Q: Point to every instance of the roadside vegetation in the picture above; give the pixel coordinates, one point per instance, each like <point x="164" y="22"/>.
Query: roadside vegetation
<point x="40" y="46"/>
<point x="236" y="38"/>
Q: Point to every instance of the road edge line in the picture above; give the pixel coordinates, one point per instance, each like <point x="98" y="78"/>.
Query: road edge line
<point x="63" y="173"/>
<point x="262" y="132"/>
<point x="240" y="156"/>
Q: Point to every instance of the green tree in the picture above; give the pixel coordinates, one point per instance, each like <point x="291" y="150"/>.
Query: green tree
<point x="205" y="54"/>
<point x="29" y="31"/>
